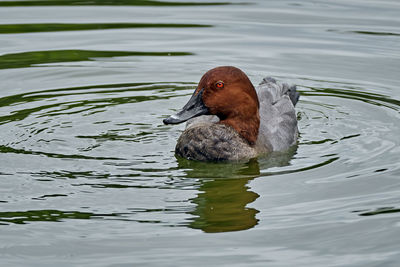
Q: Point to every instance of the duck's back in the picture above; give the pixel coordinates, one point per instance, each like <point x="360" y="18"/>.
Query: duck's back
<point x="278" y="121"/>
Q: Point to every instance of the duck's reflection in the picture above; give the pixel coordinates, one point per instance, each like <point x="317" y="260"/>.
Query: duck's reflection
<point x="221" y="206"/>
<point x="222" y="203"/>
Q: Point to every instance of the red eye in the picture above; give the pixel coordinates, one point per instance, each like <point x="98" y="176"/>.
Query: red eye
<point x="219" y="84"/>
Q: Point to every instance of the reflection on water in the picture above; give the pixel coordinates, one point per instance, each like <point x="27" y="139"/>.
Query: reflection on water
<point x="55" y="27"/>
<point x="106" y="3"/>
<point x="222" y="206"/>
<point x="378" y="211"/>
<point x="368" y="32"/>
<point x="29" y="59"/>
<point x="224" y="194"/>
<point x="22" y="217"/>
<point x="197" y="169"/>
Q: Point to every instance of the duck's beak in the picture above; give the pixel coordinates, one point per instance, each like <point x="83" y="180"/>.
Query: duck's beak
<point x="195" y="107"/>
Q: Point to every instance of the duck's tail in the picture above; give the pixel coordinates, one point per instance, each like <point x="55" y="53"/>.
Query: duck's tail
<point x="279" y="90"/>
<point x="293" y="94"/>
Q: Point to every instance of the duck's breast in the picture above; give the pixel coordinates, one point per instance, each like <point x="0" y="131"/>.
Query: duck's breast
<point x="213" y="142"/>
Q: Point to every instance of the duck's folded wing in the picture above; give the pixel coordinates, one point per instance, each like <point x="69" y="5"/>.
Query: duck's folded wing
<point x="278" y="120"/>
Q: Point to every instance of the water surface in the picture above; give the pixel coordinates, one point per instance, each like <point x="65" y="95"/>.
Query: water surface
<point x="87" y="171"/>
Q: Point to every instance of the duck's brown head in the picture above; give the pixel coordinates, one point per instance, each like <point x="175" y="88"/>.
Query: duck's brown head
<point x="227" y="93"/>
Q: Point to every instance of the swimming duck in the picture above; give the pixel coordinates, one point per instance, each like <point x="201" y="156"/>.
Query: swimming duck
<point x="230" y="120"/>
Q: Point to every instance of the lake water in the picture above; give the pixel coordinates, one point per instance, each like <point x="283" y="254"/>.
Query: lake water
<point x="88" y="175"/>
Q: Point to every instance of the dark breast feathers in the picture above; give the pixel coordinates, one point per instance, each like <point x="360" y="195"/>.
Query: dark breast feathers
<point x="213" y="142"/>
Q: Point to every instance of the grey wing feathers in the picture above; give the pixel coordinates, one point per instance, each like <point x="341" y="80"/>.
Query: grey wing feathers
<point x="277" y="90"/>
<point x="278" y="120"/>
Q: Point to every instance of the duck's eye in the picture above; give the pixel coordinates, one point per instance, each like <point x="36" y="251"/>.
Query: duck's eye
<point x="219" y="84"/>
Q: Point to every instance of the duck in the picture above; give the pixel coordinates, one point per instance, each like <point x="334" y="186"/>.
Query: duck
<point x="228" y="119"/>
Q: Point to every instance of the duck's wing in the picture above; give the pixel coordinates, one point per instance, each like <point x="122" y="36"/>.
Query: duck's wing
<point x="278" y="121"/>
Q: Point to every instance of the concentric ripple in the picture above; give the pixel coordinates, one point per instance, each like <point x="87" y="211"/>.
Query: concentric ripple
<point x="111" y="137"/>
<point x="347" y="123"/>
<point x="80" y="123"/>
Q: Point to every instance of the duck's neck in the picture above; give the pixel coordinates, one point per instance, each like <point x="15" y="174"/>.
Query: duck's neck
<point x="247" y="127"/>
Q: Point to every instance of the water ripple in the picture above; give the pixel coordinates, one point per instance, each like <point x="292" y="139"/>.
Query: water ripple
<point x="107" y="138"/>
